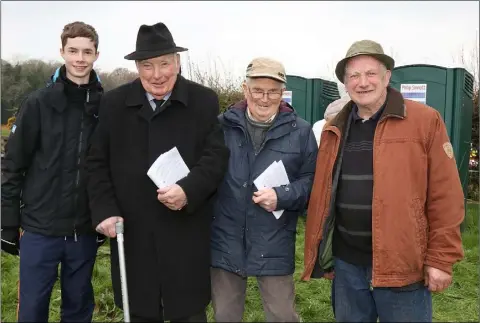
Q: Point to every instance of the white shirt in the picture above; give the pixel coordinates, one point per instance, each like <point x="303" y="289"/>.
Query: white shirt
<point x="317" y="129"/>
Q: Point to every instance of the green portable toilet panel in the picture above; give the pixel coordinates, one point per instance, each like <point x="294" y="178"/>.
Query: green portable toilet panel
<point x="324" y="93"/>
<point x="299" y="86"/>
<point x="449" y="91"/>
<point x="434" y="77"/>
<point x="310" y="97"/>
<point x="462" y="122"/>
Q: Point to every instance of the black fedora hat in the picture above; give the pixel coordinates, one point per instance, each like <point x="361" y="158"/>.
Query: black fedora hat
<point x="154" y="41"/>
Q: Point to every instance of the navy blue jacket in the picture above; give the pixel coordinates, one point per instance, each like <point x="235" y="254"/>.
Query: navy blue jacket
<point x="246" y="239"/>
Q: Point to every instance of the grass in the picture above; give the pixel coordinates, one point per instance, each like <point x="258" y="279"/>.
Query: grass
<point x="5" y="131"/>
<point x="459" y="303"/>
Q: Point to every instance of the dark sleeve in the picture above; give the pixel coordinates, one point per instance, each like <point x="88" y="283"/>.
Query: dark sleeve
<point x="19" y="152"/>
<point x="103" y="203"/>
<point x="295" y="196"/>
<point x="208" y="172"/>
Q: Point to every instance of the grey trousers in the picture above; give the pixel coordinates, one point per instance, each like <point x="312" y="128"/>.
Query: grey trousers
<point x="228" y="296"/>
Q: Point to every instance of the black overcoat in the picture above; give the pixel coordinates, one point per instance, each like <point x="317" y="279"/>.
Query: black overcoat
<point x="167" y="252"/>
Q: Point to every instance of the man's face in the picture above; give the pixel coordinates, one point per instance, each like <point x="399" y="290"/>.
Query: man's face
<point x="159" y="74"/>
<point x="79" y="54"/>
<point x="366" y="81"/>
<point x="263" y="97"/>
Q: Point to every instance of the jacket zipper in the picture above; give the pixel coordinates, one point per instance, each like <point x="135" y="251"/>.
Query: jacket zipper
<point x="245" y="135"/>
<point x="77" y="179"/>
<point x="243" y="272"/>
<point x="382" y="119"/>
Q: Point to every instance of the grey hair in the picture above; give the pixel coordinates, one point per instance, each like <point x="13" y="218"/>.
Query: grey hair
<point x="248" y="80"/>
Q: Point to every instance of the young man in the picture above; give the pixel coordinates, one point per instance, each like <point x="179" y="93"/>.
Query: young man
<point x="44" y="170"/>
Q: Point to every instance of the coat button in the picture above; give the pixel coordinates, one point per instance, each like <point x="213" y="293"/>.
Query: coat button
<point x="245" y="184"/>
<point x="287" y="188"/>
<point x="294" y="124"/>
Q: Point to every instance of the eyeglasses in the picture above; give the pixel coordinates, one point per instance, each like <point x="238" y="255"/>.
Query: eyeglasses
<point x="259" y="94"/>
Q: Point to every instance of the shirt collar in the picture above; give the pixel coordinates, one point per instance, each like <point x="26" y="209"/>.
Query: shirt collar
<point x="151" y="98"/>
<point x="375" y="117"/>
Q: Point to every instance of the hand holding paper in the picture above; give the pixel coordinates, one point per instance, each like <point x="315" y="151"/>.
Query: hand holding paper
<point x="266" y="198"/>
<point x="172" y="197"/>
<point x="275" y="175"/>
<point x="165" y="172"/>
<point x="168" y="169"/>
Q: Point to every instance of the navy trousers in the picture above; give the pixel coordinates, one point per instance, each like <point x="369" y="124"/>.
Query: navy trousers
<point x="354" y="300"/>
<point x="39" y="259"/>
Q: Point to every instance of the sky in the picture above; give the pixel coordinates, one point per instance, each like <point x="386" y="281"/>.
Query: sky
<point x="309" y="38"/>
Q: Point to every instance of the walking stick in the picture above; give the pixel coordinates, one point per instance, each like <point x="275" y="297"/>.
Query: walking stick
<point x="123" y="272"/>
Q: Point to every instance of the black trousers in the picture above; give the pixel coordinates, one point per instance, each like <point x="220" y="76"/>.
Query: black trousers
<point x="200" y="317"/>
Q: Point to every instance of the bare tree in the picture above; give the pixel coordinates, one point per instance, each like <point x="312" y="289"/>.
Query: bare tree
<point x="227" y="87"/>
<point x="470" y="61"/>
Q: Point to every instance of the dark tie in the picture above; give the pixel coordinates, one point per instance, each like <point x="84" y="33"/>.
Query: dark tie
<point x="158" y="103"/>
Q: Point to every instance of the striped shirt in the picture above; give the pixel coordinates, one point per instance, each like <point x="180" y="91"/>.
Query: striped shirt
<point x="352" y="240"/>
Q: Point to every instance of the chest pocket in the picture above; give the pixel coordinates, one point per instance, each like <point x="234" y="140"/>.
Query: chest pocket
<point x="289" y="152"/>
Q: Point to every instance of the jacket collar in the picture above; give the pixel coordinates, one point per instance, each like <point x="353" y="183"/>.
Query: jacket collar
<point x="395" y="107"/>
<point x="57" y="97"/>
<point x="136" y="94"/>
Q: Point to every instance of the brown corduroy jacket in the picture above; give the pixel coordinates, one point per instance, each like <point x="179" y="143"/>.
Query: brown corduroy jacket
<point x="418" y="201"/>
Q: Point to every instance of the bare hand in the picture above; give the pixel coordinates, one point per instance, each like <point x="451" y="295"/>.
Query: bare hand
<point x="266" y="198"/>
<point x="172" y="197"/>
<point x="330" y="275"/>
<point x="436" y="279"/>
<point x="107" y="227"/>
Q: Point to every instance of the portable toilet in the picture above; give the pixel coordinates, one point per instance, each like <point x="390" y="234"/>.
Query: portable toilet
<point x="298" y="94"/>
<point x="324" y="93"/>
<point x="310" y="97"/>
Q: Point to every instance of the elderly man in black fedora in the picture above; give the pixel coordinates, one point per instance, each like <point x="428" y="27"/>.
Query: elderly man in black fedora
<point x="167" y="232"/>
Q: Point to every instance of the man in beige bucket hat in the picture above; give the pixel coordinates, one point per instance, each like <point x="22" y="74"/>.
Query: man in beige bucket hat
<point x="388" y="245"/>
<point x="248" y="238"/>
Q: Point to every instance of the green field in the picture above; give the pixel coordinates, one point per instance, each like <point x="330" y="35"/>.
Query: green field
<point x="459" y="303"/>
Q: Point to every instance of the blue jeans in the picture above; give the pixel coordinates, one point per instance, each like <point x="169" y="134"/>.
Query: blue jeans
<point x="39" y="259"/>
<point x="353" y="300"/>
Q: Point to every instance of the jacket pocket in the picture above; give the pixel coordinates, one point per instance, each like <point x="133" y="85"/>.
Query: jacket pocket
<point x="421" y="229"/>
<point x="279" y="243"/>
<point x="288" y="153"/>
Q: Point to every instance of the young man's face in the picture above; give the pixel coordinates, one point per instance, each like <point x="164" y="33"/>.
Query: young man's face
<point x="79" y="54"/>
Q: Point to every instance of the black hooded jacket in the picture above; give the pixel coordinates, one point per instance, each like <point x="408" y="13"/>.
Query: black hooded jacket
<point x="43" y="176"/>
